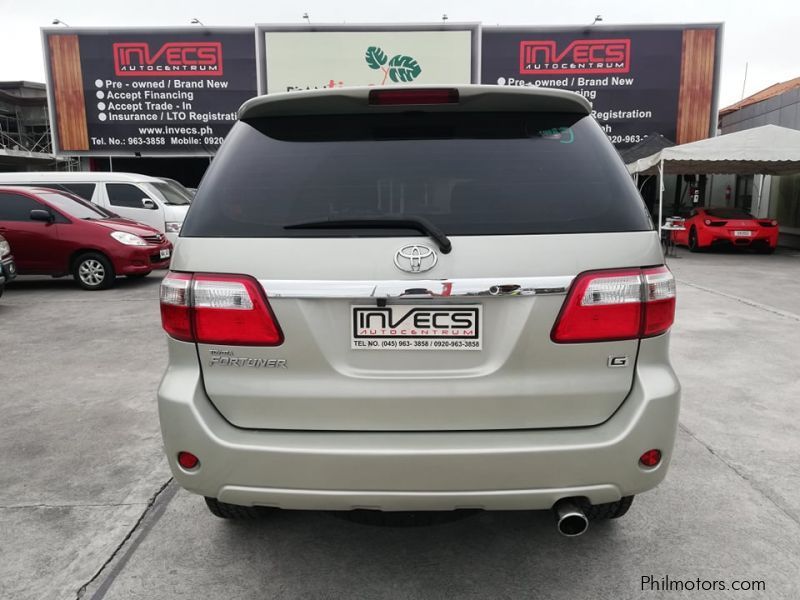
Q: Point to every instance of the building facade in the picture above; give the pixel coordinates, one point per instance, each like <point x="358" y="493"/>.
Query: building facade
<point x="779" y="198"/>
<point x="25" y="142"/>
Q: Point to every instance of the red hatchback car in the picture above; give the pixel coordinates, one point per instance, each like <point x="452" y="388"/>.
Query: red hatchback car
<point x="56" y="233"/>
<point x="706" y="227"/>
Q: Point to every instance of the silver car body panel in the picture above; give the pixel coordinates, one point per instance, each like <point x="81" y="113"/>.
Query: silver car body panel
<point x="519" y="380"/>
<point x="493" y="470"/>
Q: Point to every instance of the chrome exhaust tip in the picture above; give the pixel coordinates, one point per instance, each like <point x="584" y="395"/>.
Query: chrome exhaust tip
<point x="570" y="519"/>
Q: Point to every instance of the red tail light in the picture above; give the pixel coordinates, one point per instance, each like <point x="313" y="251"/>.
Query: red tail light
<point x="768" y="223"/>
<point x="617" y="305"/>
<point x="218" y="309"/>
<point x="413" y="96"/>
<point x="175" y="314"/>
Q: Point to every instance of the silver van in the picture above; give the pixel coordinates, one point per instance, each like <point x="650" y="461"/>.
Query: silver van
<point x="419" y="299"/>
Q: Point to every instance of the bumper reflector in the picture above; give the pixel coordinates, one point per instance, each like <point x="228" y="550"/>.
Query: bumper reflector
<point x="651" y="458"/>
<point x="187" y="460"/>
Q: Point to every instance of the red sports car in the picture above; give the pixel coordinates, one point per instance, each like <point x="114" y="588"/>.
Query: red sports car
<point x="707" y="227"/>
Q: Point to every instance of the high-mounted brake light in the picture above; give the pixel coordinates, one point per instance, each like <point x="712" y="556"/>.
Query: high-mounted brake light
<point x="413" y="96"/>
<point x="618" y="304"/>
<point x="218" y="309"/>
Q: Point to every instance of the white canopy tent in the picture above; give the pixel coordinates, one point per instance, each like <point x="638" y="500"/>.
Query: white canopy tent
<point x="766" y="150"/>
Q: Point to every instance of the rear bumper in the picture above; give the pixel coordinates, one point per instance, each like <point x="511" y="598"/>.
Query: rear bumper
<point x="495" y="470"/>
<point x="724" y="237"/>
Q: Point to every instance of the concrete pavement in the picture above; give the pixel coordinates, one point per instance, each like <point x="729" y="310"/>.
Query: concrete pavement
<point x="80" y="452"/>
<point x="83" y="500"/>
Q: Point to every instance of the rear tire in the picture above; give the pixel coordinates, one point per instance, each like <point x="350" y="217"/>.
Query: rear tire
<point x="694" y="246"/>
<point x="765" y="250"/>
<point x="223" y="510"/>
<point x="610" y="510"/>
<point x="93" y="271"/>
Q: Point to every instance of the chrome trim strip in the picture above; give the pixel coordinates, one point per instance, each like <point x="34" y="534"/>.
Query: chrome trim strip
<point x="422" y="288"/>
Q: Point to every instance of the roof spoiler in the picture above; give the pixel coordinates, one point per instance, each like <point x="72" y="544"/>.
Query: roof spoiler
<point x="474" y="98"/>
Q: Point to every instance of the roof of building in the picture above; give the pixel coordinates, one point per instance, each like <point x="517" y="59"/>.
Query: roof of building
<point x="22" y="84"/>
<point x="22" y="100"/>
<point x="649" y="145"/>
<point x="775" y="89"/>
<point x="23" y="93"/>
<point x="765" y="150"/>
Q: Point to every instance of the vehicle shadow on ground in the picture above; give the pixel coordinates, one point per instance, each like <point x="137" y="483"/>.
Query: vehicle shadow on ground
<point x="734" y="251"/>
<point x="45" y="283"/>
<point x="474" y="554"/>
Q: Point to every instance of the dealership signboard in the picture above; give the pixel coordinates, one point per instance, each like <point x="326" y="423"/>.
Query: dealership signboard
<point x="175" y="92"/>
<point x="296" y="58"/>
<point x="149" y="91"/>
<point x="639" y="80"/>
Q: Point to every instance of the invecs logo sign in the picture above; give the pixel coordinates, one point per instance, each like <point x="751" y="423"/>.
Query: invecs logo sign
<point x="543" y="57"/>
<point x="180" y="59"/>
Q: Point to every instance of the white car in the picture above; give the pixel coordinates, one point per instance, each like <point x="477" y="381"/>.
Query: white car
<point x="149" y="200"/>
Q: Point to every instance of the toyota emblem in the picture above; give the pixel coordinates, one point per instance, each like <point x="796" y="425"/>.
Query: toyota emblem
<point x="415" y="258"/>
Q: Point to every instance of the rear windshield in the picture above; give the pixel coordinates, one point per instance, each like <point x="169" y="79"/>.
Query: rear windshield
<point x="729" y="213"/>
<point x="468" y="173"/>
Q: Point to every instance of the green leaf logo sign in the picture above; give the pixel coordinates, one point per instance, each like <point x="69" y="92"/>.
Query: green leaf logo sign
<point x="401" y="69"/>
<point x="375" y="57"/>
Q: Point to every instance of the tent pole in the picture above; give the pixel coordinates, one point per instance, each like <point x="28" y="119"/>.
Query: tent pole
<point x="757" y="211"/>
<point x="660" y="194"/>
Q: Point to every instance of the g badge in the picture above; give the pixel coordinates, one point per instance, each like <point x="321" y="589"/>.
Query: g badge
<point x="617" y="361"/>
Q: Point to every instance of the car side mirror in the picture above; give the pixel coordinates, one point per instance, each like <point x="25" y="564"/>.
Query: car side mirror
<point x="38" y="214"/>
<point x="148" y="203"/>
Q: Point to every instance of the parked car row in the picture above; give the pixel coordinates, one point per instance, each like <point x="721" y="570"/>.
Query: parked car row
<point x="56" y="232"/>
<point x="159" y="203"/>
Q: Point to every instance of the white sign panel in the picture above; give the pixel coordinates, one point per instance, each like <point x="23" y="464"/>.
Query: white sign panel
<point x="303" y="60"/>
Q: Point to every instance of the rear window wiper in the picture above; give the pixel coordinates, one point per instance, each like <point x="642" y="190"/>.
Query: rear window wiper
<point x="421" y="224"/>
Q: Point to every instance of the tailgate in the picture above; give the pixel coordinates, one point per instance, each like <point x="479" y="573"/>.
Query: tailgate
<point x="516" y="378"/>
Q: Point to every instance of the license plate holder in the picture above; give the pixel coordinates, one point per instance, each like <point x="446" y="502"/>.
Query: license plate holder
<point x="416" y="327"/>
<point x="742" y="233"/>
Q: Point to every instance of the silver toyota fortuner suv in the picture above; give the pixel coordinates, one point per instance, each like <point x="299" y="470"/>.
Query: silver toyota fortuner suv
<point x="419" y="299"/>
